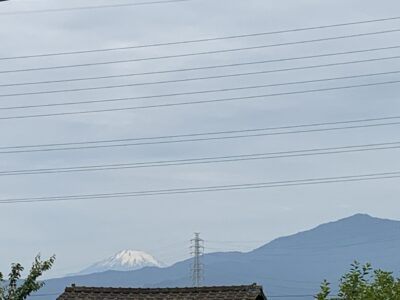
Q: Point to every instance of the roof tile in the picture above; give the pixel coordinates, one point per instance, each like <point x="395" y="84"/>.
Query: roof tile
<point x="242" y="292"/>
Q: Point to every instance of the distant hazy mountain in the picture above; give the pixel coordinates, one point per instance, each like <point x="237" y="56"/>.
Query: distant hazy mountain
<point x="292" y="265"/>
<point x="125" y="260"/>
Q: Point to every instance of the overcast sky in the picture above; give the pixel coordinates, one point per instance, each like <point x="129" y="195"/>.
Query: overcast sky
<point x="82" y="232"/>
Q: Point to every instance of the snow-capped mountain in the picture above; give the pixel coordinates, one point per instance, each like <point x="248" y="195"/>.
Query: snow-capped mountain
<point x="294" y="264"/>
<point x="125" y="260"/>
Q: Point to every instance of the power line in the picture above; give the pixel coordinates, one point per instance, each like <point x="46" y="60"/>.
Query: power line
<point x="295" y="250"/>
<point x="198" y="78"/>
<point x="208" y="160"/>
<point x="327" y="247"/>
<point x="203" y="39"/>
<point x="216" y="188"/>
<point x="185" y="103"/>
<point x="209" y="78"/>
<point x="323" y="248"/>
<point x="236" y="242"/>
<point x="25" y="12"/>
<point x="201" y="136"/>
<point x="220" y="51"/>
<point x="195" y="68"/>
<point x="308" y="246"/>
<point x="48" y="294"/>
<point x="198" y="139"/>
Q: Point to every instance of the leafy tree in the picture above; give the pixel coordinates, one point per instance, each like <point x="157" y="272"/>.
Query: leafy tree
<point x="363" y="283"/>
<point x="17" y="289"/>
<point x="325" y="291"/>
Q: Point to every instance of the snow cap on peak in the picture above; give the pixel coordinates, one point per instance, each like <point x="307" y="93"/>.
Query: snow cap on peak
<point x="125" y="260"/>
<point x="134" y="258"/>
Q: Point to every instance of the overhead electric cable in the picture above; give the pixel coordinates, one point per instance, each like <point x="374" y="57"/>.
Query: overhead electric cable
<point x="207" y="78"/>
<point x="186" y="79"/>
<point x="189" y="93"/>
<point x="221" y="51"/>
<point x="208" y="160"/>
<point x="203" y="136"/>
<point x="48" y="10"/>
<point x="185" y="103"/>
<point x="47" y="294"/>
<point x="203" y="39"/>
<point x="214" y="188"/>
<point x="331" y="246"/>
<point x="197" y="68"/>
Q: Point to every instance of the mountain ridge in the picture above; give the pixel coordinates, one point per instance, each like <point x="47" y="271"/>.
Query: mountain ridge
<point x="294" y="264"/>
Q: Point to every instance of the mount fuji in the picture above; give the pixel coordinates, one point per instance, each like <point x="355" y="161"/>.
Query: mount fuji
<point x="125" y="260"/>
<point x="291" y="265"/>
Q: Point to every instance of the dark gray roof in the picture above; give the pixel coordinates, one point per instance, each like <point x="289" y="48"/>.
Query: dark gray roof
<point x="243" y="292"/>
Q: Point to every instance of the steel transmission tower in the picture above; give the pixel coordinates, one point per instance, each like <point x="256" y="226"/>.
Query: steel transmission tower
<point x="197" y="250"/>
